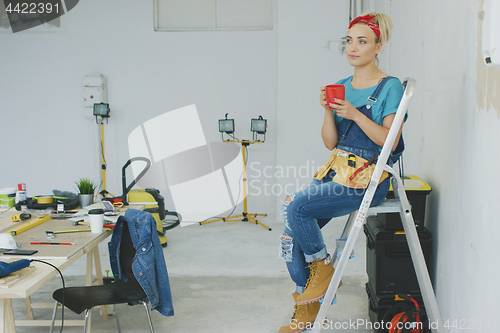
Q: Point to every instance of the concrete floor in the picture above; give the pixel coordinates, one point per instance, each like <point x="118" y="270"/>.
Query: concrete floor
<point x="225" y="277"/>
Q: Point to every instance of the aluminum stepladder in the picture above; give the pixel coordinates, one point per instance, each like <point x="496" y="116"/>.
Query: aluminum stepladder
<point x="399" y="204"/>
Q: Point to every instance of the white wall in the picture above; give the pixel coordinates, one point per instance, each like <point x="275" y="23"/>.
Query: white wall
<point x="48" y="144"/>
<point x="304" y="65"/>
<point x="452" y="142"/>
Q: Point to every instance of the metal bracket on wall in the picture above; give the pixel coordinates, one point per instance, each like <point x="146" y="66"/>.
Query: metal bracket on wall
<point x="342" y="42"/>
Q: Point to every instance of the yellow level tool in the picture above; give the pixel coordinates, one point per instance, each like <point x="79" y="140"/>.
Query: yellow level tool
<point x="67" y="231"/>
<point x="28" y="225"/>
<point x="51" y="234"/>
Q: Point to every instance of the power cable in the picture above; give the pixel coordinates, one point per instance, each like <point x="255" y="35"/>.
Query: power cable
<point x="63" y="284"/>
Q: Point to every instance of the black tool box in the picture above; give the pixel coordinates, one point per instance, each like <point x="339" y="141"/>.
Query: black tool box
<point x="388" y="261"/>
<point x="381" y="309"/>
<point x="416" y="191"/>
<point x="32" y="203"/>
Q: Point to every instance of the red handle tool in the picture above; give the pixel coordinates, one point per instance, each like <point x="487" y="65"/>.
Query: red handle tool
<point x="364" y="166"/>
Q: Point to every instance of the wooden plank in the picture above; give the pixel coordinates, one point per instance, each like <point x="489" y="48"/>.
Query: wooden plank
<point x="26" y="286"/>
<point x="2" y="315"/>
<point x="10" y="279"/>
<point x="42" y="305"/>
<point x="57" y="323"/>
<point x="10" y="326"/>
<point x="29" y="309"/>
<point x="98" y="275"/>
<point x="88" y="281"/>
<point x="5" y="221"/>
<point x="38" y="234"/>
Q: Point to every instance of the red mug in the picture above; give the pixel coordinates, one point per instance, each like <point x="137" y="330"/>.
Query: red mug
<point x="334" y="91"/>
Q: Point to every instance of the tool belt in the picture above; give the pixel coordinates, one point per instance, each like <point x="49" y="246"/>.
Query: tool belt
<point x="338" y="162"/>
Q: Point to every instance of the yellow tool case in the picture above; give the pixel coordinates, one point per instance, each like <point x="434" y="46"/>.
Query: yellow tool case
<point x="416" y="191"/>
<point x="155" y="204"/>
<point x="152" y="200"/>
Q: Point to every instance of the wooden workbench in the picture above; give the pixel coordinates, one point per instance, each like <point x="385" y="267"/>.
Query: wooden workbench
<point x="25" y="283"/>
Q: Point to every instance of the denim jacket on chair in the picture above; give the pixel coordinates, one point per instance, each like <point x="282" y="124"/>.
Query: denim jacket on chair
<point x="149" y="265"/>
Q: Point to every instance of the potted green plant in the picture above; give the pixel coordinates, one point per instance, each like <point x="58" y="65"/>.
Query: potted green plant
<point x="86" y="189"/>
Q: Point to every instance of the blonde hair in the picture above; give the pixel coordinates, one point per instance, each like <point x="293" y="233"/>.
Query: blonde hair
<point x="385" y="24"/>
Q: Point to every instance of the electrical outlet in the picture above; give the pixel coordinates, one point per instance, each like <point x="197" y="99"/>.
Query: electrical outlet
<point x="94" y="91"/>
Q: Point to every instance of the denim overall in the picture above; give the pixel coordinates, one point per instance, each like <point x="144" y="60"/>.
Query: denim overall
<point x="312" y="208"/>
<point x="356" y="141"/>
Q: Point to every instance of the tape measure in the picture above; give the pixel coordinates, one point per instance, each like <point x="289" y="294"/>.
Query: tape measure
<point x="20" y="217"/>
<point x="352" y="160"/>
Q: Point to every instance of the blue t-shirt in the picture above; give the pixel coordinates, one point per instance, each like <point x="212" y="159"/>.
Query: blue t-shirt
<point x="387" y="102"/>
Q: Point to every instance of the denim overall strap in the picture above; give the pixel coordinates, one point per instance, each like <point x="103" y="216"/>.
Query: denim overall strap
<point x="353" y="139"/>
<point x="373" y="98"/>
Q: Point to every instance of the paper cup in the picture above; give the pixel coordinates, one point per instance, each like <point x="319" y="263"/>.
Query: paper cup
<point x="96" y="217"/>
<point x="334" y="91"/>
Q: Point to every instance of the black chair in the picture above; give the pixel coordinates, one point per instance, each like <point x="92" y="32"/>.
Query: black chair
<point x="78" y="299"/>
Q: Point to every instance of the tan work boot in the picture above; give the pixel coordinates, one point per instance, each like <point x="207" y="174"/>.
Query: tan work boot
<point x="321" y="273"/>
<point x="303" y="317"/>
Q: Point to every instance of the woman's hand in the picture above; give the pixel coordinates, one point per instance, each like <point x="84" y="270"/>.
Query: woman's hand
<point x="322" y="98"/>
<point x="345" y="109"/>
<point x="329" y="129"/>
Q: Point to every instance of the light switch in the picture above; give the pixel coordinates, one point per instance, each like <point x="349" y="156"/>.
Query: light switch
<point x="491" y="37"/>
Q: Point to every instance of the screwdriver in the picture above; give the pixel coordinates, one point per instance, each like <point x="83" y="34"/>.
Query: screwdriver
<point x="364" y="166"/>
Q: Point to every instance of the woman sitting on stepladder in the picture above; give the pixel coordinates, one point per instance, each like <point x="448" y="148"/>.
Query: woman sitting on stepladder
<point x="356" y="130"/>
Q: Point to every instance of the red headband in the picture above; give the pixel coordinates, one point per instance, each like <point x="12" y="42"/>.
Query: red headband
<point x="366" y="19"/>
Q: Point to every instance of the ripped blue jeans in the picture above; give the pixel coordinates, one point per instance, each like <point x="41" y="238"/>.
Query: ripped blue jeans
<point x="310" y="210"/>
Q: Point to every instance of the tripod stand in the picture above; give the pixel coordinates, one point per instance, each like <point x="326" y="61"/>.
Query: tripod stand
<point x="103" y="193"/>
<point x="245" y="216"/>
